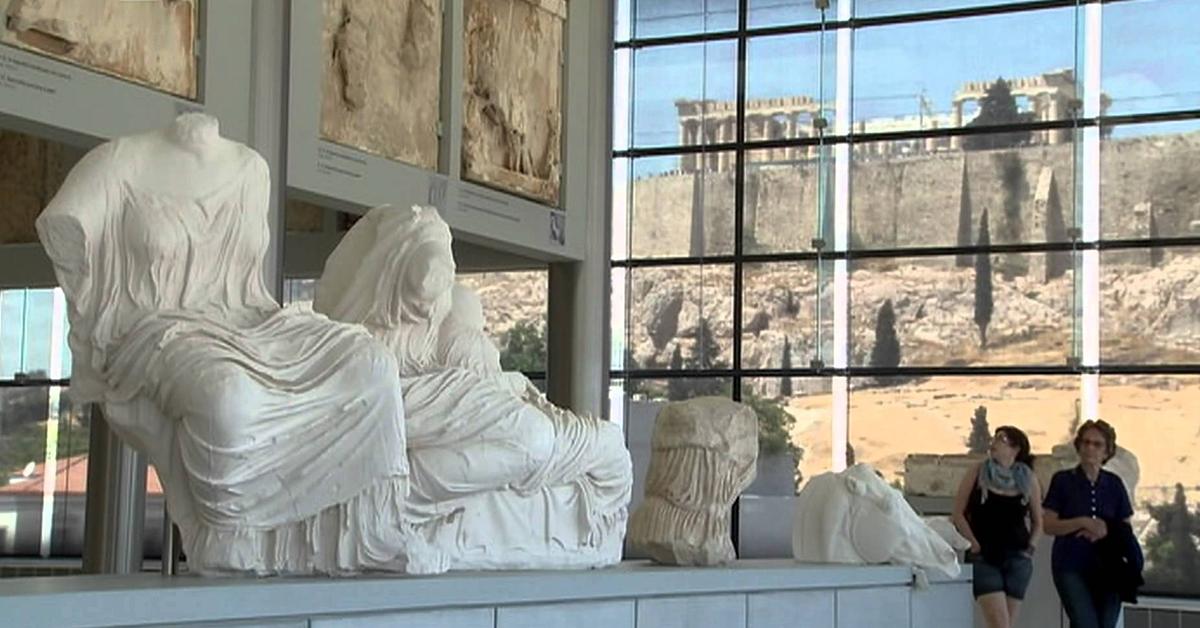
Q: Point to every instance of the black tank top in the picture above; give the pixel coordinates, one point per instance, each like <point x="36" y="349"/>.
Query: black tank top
<point x="999" y="524"/>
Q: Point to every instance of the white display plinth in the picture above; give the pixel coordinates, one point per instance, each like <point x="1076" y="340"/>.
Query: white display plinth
<point x="752" y="593"/>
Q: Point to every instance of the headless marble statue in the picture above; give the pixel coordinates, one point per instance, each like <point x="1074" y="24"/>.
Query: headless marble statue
<point x="277" y="433"/>
<point x="501" y="478"/>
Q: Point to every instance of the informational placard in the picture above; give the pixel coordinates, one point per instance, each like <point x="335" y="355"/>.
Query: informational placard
<point x="346" y="178"/>
<point x="54" y="98"/>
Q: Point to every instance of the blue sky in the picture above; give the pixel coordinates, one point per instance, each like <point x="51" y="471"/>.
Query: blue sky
<point x="1150" y="57"/>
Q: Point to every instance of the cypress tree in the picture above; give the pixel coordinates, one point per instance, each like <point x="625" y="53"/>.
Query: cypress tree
<point x="983" y="282"/>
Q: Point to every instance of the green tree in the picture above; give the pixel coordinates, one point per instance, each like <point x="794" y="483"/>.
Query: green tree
<point x="980" y="439"/>
<point x="886" y="352"/>
<point x="1014" y="186"/>
<point x="965" y="224"/>
<point x="785" y="382"/>
<point x="983" y="282"/>
<point x="706" y="355"/>
<point x="523" y="348"/>
<point x="1156" y="253"/>
<point x="997" y="107"/>
<point x="1173" y="560"/>
<point x="677" y="387"/>
<point x="775" y="425"/>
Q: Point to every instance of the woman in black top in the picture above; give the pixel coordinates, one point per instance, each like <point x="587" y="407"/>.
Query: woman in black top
<point x="998" y="509"/>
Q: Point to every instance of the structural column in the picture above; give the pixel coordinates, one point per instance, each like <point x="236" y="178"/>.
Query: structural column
<point x="956" y="140"/>
<point x="578" y="331"/>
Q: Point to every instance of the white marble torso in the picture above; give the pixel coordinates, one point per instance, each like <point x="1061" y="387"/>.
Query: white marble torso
<point x="277" y="433"/>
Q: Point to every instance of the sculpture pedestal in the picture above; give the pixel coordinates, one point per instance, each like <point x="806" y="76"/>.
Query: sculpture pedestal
<point x="745" y="594"/>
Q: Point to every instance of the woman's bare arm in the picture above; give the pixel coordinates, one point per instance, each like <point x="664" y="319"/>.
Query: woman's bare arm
<point x="959" y="516"/>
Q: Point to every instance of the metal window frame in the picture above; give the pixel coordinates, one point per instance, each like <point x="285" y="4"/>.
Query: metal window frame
<point x="1085" y="247"/>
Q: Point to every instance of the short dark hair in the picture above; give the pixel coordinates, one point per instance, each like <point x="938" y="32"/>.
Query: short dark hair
<point x="1019" y="440"/>
<point x="1106" y="430"/>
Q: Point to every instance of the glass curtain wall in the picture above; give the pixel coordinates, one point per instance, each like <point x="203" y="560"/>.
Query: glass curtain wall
<point x="891" y="226"/>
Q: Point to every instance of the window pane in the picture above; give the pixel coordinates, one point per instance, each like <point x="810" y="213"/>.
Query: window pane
<point x="666" y="18"/>
<point x="1155" y="419"/>
<point x="904" y="427"/>
<point x="785" y="192"/>
<point x="1150" y="48"/>
<point x="681" y="318"/>
<point x="793" y="421"/>
<point x="682" y="205"/>
<point x="934" y="73"/>
<point x="514" y="310"/>
<point x="766" y="13"/>
<point x="780" y="315"/>
<point x="870" y="8"/>
<point x="928" y="192"/>
<point x="619" y="348"/>
<point x="298" y="290"/>
<point x="933" y="312"/>
<point x="622" y="98"/>
<point x="621" y="200"/>
<point x="40" y="425"/>
<point x="27" y="334"/>
<point x="623" y="20"/>
<point x="1149" y="312"/>
<point x="790" y="80"/>
<point x="1148" y="180"/>
<point x="684" y="94"/>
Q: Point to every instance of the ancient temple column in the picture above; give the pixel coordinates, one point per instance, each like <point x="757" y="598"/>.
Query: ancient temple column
<point x="956" y="141"/>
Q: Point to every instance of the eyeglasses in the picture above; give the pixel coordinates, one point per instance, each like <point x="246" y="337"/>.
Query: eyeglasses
<point x="1001" y="438"/>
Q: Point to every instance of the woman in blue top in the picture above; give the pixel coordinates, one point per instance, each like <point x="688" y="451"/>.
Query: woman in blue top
<point x="1077" y="505"/>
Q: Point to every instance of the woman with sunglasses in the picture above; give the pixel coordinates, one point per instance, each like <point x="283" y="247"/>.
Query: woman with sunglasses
<point x="998" y="509"/>
<point x="1082" y="506"/>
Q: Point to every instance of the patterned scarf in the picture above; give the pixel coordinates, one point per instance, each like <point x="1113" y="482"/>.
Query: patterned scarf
<point x="993" y="476"/>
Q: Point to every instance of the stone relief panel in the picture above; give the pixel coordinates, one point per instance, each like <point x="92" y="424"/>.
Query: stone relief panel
<point x="33" y="171"/>
<point x="512" y="95"/>
<point x="152" y="43"/>
<point x="381" y="84"/>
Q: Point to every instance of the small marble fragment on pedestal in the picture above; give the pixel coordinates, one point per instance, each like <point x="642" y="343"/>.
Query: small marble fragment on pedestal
<point x="704" y="454"/>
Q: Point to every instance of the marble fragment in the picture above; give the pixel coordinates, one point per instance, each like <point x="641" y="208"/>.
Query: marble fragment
<point x="704" y="454"/>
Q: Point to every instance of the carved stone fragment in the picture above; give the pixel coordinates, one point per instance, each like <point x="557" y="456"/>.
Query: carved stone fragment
<point x="381" y="78"/>
<point x="150" y="42"/>
<point x="33" y="170"/>
<point x="512" y="95"/>
<point x="704" y="454"/>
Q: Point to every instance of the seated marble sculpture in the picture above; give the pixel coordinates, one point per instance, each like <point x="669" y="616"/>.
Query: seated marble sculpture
<point x="855" y="517"/>
<point x="704" y="454"/>
<point x="278" y="434"/>
<point x="501" y="478"/>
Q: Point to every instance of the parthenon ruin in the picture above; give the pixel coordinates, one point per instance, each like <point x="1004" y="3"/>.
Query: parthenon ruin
<point x="1047" y="96"/>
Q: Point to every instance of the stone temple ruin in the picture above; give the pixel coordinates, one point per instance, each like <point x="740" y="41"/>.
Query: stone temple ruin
<point x="1048" y="96"/>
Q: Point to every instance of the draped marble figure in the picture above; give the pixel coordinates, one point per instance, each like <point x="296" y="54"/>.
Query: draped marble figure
<point x="278" y="434"/>
<point x="501" y="478"/>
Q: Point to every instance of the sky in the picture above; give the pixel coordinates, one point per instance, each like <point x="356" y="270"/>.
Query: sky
<point x="1150" y="57"/>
